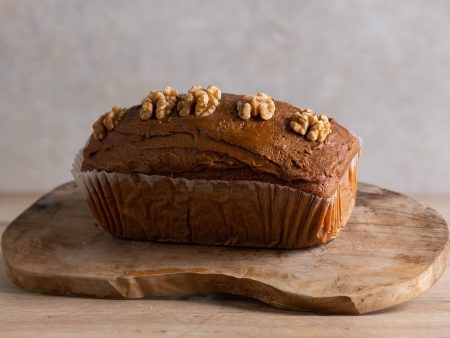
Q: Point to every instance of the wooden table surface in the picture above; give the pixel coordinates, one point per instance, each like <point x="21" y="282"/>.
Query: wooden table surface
<point x="24" y="314"/>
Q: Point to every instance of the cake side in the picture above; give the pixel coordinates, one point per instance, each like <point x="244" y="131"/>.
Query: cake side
<point x="222" y="146"/>
<point x="216" y="212"/>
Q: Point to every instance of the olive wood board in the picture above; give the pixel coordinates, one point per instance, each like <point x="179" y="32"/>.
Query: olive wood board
<point x="392" y="250"/>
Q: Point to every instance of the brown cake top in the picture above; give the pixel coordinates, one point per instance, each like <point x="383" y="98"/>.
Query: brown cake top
<point x="222" y="145"/>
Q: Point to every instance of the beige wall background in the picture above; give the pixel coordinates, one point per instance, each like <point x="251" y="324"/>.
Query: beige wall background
<point x="382" y="68"/>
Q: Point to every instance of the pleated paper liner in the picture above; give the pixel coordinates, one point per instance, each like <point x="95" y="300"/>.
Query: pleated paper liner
<point x="215" y="212"/>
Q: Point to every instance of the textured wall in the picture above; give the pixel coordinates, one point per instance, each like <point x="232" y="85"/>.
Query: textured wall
<point x="382" y="68"/>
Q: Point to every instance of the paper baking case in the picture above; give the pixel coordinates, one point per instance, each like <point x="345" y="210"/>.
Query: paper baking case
<point x="215" y="212"/>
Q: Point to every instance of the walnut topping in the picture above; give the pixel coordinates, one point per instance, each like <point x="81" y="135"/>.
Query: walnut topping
<point x="99" y="128"/>
<point x="261" y="104"/>
<point x="202" y="102"/>
<point x="164" y="101"/>
<point x="307" y="123"/>
<point x="108" y="121"/>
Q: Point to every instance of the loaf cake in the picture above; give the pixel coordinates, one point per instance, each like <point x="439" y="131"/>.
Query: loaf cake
<point x="211" y="168"/>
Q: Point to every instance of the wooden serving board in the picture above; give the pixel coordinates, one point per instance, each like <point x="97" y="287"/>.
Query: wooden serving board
<point x="392" y="250"/>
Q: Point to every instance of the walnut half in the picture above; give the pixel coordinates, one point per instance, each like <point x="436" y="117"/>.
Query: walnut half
<point x="108" y="121"/>
<point x="202" y="102"/>
<point x="261" y="104"/>
<point x="307" y="123"/>
<point x="162" y="102"/>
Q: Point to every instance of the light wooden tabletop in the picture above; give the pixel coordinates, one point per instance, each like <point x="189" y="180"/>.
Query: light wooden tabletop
<point x="24" y="314"/>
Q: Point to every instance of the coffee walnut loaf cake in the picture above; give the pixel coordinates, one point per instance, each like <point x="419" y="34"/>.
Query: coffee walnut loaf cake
<point x="220" y="169"/>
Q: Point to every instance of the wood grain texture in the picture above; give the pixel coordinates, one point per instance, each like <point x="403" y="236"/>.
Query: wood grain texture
<point x="393" y="249"/>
